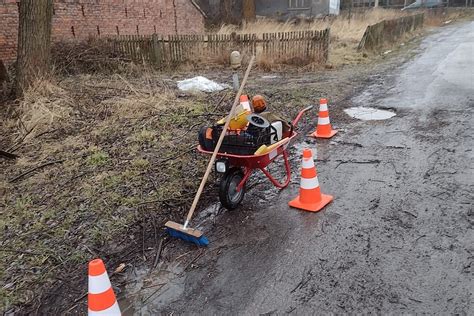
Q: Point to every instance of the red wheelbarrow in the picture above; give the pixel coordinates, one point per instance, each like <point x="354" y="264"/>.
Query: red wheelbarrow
<point x="237" y="169"/>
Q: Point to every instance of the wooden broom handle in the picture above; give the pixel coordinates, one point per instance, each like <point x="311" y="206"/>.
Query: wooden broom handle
<point x="219" y="143"/>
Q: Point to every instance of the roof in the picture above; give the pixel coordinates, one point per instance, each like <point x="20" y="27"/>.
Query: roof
<point x="198" y="8"/>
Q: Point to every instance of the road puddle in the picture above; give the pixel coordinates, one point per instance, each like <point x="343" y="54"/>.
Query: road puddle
<point x="369" y="114"/>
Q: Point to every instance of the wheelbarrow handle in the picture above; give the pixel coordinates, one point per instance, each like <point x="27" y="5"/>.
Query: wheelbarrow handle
<point x="300" y="114"/>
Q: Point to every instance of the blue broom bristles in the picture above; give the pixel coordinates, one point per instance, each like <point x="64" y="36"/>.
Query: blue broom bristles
<point x="201" y="241"/>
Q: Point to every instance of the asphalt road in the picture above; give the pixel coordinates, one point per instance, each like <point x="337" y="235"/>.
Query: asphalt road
<point x="398" y="238"/>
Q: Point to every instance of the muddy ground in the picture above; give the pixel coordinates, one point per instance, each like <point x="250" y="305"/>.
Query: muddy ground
<point x="397" y="238"/>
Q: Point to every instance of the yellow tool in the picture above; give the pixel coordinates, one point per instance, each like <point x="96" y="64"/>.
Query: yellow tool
<point x="266" y="149"/>
<point x="239" y="121"/>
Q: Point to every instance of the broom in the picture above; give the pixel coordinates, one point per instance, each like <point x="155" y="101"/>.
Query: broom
<point x="183" y="231"/>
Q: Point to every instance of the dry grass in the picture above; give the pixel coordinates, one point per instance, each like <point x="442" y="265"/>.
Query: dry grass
<point x="345" y="35"/>
<point x="438" y="17"/>
<point x="342" y="28"/>
<point x="124" y="142"/>
<point x="44" y="104"/>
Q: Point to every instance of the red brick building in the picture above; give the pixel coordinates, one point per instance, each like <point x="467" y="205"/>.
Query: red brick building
<point x="81" y="19"/>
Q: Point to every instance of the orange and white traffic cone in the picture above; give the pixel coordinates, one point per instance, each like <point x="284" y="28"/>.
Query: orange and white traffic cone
<point x="310" y="197"/>
<point x="101" y="298"/>
<point x="245" y="103"/>
<point x="323" y="129"/>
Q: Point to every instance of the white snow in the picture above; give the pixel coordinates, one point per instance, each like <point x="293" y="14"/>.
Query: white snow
<point x="368" y="114"/>
<point x="200" y="83"/>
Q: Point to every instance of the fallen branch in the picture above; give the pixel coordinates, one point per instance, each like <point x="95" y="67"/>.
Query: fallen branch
<point x="397" y="147"/>
<point x="411" y="214"/>
<point x="157" y="256"/>
<point x="191" y="262"/>
<point x="220" y="102"/>
<point x="304" y="280"/>
<point x="18" y="143"/>
<point x="118" y="88"/>
<point x="178" y="155"/>
<point x="46" y="132"/>
<point x="8" y="155"/>
<point x="153" y="294"/>
<point x="414" y="300"/>
<point x="416" y="240"/>
<point x="351" y="144"/>
<point x="34" y="169"/>
<point x="23" y="252"/>
<point x="372" y="161"/>
<point x="187" y="132"/>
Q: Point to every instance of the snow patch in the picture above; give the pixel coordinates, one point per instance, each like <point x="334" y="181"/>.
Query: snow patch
<point x="200" y="83"/>
<point x="368" y="114"/>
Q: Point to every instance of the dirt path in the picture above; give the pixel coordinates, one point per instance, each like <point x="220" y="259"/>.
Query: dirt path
<point x="398" y="237"/>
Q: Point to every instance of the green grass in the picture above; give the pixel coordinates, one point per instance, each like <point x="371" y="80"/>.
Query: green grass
<point x="145" y="136"/>
<point x="140" y="164"/>
<point x="98" y="158"/>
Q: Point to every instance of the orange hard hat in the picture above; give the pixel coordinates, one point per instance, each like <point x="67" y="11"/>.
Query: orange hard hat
<point x="259" y="103"/>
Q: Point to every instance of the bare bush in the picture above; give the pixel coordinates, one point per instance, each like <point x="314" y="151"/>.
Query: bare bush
<point x="94" y="55"/>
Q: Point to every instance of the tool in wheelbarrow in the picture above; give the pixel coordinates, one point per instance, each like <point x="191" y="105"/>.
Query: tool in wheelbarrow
<point x="257" y="132"/>
<point x="183" y="231"/>
<point x="236" y="169"/>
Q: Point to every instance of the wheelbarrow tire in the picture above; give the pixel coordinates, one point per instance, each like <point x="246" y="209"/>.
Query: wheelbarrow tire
<point x="228" y="194"/>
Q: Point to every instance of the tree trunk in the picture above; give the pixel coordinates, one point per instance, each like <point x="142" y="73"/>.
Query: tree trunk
<point x="249" y="10"/>
<point x="34" y="42"/>
<point x="225" y="11"/>
<point x="3" y="73"/>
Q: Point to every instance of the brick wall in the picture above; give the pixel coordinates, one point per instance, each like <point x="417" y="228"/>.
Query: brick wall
<point x="81" y="19"/>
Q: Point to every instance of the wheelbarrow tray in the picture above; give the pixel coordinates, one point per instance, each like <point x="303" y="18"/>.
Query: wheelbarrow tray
<point x="252" y="162"/>
<point x="231" y="193"/>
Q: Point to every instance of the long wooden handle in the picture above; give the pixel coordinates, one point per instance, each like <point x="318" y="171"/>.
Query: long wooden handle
<point x="219" y="143"/>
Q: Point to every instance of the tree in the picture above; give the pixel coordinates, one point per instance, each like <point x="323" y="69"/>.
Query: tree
<point x="34" y="42"/>
<point x="225" y="10"/>
<point x="249" y="10"/>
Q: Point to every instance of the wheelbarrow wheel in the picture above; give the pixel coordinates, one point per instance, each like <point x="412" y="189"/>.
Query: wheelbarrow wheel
<point x="228" y="194"/>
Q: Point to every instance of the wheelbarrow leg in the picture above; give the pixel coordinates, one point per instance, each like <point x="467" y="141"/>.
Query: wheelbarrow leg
<point x="288" y="173"/>
<point x="247" y="174"/>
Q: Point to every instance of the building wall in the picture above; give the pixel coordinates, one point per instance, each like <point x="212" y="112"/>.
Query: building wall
<point x="8" y="30"/>
<point x="81" y="19"/>
<point x="320" y="8"/>
<point x="281" y="8"/>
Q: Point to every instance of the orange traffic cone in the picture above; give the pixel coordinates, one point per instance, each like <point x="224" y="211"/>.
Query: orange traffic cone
<point x="245" y="103"/>
<point x="101" y="297"/>
<point x="324" y="129"/>
<point x="310" y="197"/>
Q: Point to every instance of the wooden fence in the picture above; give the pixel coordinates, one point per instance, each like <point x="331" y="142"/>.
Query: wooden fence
<point x="388" y="31"/>
<point x="288" y="47"/>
